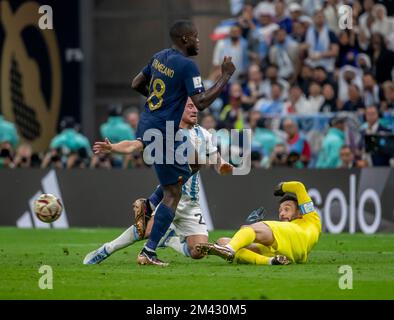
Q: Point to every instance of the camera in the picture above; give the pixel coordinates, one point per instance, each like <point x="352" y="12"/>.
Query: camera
<point x="380" y="144"/>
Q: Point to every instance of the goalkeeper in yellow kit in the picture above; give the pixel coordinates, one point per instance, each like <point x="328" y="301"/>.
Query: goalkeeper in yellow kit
<point x="274" y="242"/>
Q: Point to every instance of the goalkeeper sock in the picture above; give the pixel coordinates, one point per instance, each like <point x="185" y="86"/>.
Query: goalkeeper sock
<point x="242" y="238"/>
<point x="247" y="256"/>
<point x="124" y="240"/>
<point x="163" y="218"/>
<point x="156" y="197"/>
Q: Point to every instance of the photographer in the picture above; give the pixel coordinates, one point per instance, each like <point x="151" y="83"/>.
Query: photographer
<point x="279" y="156"/>
<point x="78" y="159"/>
<point x="24" y="157"/>
<point x="6" y="155"/>
<point x="101" y="162"/>
<point x="373" y="127"/>
<point x="53" y="159"/>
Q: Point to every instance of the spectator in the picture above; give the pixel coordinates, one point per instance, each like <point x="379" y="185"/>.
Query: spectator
<point x="256" y="158"/>
<point x="306" y="77"/>
<point x="8" y="132"/>
<point x="355" y="103"/>
<point x="116" y="129"/>
<point x="388" y="94"/>
<point x="232" y="114"/>
<point x="236" y="47"/>
<point x="371" y="95"/>
<point x="78" y="159"/>
<point x="331" y="14"/>
<point x="254" y="119"/>
<point x="329" y="155"/>
<point x="282" y="19"/>
<point x="297" y="102"/>
<point x="134" y="160"/>
<point x="366" y="20"/>
<point x="261" y="37"/>
<point x="101" y="162"/>
<point x="284" y="54"/>
<point x="53" y="159"/>
<point x="272" y="76"/>
<point x="296" y="142"/>
<point x="298" y="31"/>
<point x="253" y="89"/>
<point x="69" y="139"/>
<point x="330" y="102"/>
<point x="6" y="155"/>
<point x="382" y="59"/>
<point x="311" y="6"/>
<point x="347" y="49"/>
<point x="246" y="20"/>
<point x="264" y="138"/>
<point x="132" y="117"/>
<point x="323" y="44"/>
<point x="381" y="23"/>
<point x="295" y="11"/>
<point x="347" y="158"/>
<point x="279" y="156"/>
<point x="217" y="105"/>
<point x="348" y="75"/>
<point x="273" y="106"/>
<point x="23" y="156"/>
<point x="363" y="61"/>
<point x="372" y="126"/>
<point x="315" y="98"/>
<point x="320" y="76"/>
<point x="208" y="121"/>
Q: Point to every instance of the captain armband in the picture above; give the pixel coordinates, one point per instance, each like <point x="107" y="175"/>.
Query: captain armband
<point x="307" y="207"/>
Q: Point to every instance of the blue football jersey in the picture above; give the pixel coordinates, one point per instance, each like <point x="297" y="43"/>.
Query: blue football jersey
<point x="173" y="77"/>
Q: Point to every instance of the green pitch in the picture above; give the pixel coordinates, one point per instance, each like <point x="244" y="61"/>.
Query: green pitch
<point x="22" y="252"/>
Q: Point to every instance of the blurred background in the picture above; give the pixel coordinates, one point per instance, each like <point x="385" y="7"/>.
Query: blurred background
<point x="315" y="95"/>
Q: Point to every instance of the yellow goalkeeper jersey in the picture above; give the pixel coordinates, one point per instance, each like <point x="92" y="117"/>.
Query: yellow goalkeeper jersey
<point x="296" y="239"/>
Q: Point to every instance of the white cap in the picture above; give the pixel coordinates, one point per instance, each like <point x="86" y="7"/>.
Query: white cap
<point x="264" y="8"/>
<point x="306" y="19"/>
<point x="294" y="7"/>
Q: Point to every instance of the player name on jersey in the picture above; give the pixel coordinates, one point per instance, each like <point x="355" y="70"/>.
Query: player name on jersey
<point x="163" y="68"/>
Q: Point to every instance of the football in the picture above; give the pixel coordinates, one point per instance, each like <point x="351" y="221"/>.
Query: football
<point x="48" y="208"/>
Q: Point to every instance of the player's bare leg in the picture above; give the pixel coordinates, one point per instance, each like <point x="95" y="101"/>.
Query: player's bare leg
<point x="192" y="242"/>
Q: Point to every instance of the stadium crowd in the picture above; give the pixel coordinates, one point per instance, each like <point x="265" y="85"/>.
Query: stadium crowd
<point x="310" y="86"/>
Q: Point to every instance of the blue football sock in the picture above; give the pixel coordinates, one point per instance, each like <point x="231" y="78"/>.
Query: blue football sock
<point x="156" y="196"/>
<point x="163" y="218"/>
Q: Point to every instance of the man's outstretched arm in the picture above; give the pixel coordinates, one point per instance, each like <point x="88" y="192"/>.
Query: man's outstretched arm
<point x="123" y="147"/>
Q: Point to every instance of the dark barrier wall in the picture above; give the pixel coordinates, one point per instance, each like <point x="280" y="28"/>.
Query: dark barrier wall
<point x="39" y="67"/>
<point x="348" y="200"/>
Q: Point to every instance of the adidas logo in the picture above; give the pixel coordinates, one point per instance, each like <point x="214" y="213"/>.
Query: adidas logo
<point x="29" y="219"/>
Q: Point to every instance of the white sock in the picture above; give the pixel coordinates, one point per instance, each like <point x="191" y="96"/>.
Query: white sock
<point x="124" y="240"/>
<point x="178" y="245"/>
<point x="230" y="248"/>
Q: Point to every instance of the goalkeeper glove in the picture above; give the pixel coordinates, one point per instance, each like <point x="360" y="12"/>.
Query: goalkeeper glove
<point x="278" y="192"/>
<point x="256" y="216"/>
